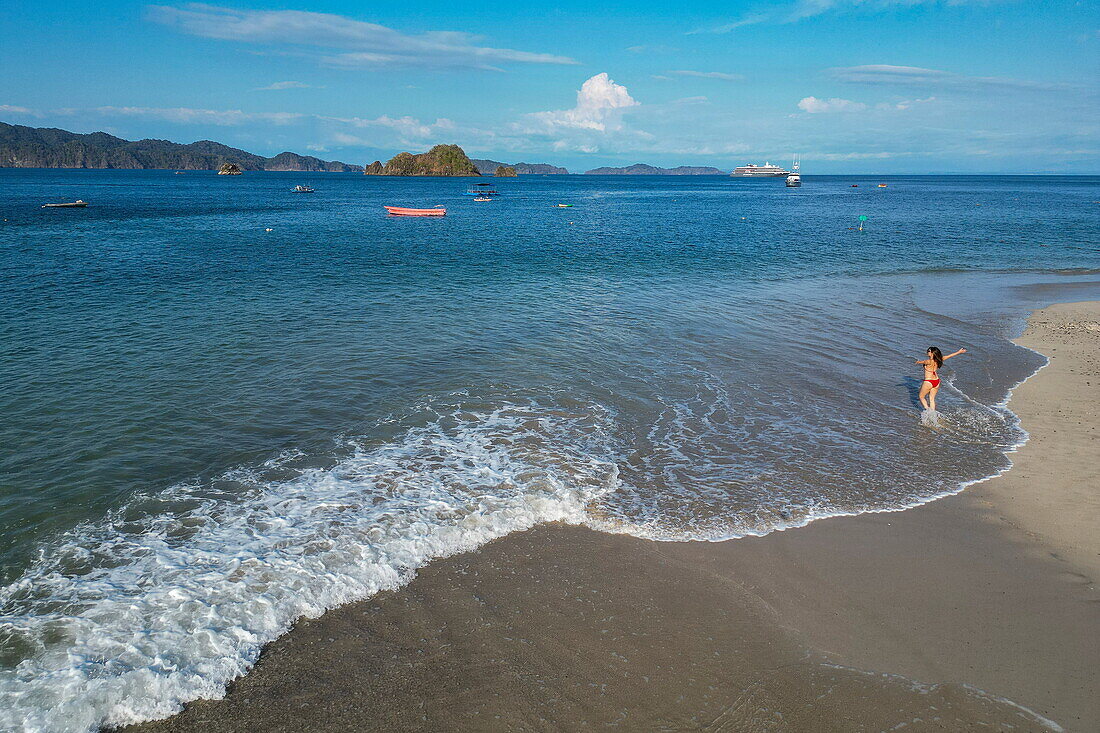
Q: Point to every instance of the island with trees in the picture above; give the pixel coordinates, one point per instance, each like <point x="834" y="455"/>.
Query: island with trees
<point x="643" y="169"/>
<point x="441" y="160"/>
<point x="488" y="167"/>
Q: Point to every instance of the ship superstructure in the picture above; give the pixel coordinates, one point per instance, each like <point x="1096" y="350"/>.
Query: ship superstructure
<point x="759" y="171"/>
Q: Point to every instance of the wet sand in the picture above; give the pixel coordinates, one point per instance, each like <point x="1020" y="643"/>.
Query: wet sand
<point x="929" y="619"/>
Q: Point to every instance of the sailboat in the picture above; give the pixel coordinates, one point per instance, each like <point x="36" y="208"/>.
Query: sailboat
<point x="794" y="180"/>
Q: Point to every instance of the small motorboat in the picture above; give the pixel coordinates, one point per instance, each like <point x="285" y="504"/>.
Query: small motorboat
<point x="483" y="198"/>
<point x="78" y="204"/>
<point x="303" y="189"/>
<point x="179" y="173"/>
<point x="403" y="211"/>
<point x="855" y="185"/>
<point x="882" y="185"/>
<point x="565" y="206"/>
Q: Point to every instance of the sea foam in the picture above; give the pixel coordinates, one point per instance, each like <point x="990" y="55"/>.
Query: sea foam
<point x="127" y="619"/>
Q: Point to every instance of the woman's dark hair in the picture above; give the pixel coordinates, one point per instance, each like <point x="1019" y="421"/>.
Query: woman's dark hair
<point x="937" y="355"/>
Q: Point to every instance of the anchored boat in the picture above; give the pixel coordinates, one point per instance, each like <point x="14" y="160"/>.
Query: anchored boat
<point x="482" y="189"/>
<point x="78" y="204"/>
<point x="303" y="189"/>
<point x="794" y="180"/>
<point x="403" y="211"/>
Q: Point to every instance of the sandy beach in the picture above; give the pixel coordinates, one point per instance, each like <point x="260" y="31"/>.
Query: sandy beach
<point x="977" y="611"/>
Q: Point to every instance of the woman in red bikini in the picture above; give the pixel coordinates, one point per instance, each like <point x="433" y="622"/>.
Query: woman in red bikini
<point x="931" y="384"/>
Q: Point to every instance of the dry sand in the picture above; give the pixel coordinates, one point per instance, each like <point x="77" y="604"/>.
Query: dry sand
<point x="877" y="622"/>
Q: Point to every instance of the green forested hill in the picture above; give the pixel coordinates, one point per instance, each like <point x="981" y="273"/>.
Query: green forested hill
<point x="45" y="147"/>
<point x="441" y="160"/>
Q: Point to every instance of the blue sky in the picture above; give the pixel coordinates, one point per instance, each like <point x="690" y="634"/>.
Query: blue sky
<point x="885" y="86"/>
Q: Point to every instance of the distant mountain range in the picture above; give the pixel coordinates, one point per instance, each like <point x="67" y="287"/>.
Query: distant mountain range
<point x="641" y="169"/>
<point x="47" y="147"/>
<point x="489" y="167"/>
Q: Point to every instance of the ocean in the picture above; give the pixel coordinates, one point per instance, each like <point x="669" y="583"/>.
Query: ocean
<point x="226" y="405"/>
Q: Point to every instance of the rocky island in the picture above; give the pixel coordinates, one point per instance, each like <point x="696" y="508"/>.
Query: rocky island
<point x="488" y="167"/>
<point x="441" y="160"/>
<point x="47" y="147"/>
<point x="642" y="169"/>
<point x="229" y="169"/>
<point x="505" y="171"/>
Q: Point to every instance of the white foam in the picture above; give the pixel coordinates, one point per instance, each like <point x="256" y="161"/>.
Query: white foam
<point x="930" y="418"/>
<point x="132" y="617"/>
<point x="173" y="596"/>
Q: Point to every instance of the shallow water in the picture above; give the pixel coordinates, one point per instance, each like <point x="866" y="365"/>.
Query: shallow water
<point x="211" y="429"/>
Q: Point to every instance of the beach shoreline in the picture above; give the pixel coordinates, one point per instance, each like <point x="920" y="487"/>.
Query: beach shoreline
<point x="850" y="623"/>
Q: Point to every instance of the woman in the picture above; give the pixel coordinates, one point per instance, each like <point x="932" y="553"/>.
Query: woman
<point x="931" y="384"/>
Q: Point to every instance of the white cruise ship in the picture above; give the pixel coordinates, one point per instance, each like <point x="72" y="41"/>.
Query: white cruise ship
<point x="766" y="170"/>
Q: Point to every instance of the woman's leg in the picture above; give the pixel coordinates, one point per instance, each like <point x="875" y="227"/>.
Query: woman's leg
<point x="932" y="396"/>
<point x="925" y="388"/>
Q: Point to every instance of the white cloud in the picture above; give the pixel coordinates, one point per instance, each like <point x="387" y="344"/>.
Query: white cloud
<point x="907" y="103"/>
<point x="280" y="85"/>
<point x="813" y="105"/>
<point x="860" y="156"/>
<point x="803" y="9"/>
<point x="188" y="115"/>
<point x="594" y="124"/>
<point x="708" y="75"/>
<point x="408" y="127"/>
<point x="343" y="138"/>
<point x="888" y="74"/>
<point x="600" y="103"/>
<point x="650" y="49"/>
<point x="13" y="110"/>
<point x="389" y="130"/>
<point x="751" y="19"/>
<point x="810" y="8"/>
<point x="346" y="42"/>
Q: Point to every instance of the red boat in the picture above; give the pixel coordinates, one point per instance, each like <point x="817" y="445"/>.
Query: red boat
<point x="402" y="211"/>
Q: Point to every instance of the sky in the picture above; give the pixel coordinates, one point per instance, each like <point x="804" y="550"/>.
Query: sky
<point x="853" y="86"/>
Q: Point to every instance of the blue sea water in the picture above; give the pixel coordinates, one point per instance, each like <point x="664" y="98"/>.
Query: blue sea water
<point x="226" y="405"/>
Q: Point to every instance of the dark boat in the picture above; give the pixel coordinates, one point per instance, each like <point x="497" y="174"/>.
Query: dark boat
<point x="482" y="189"/>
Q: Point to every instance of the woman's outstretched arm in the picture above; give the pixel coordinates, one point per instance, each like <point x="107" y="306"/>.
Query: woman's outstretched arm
<point x="960" y="351"/>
